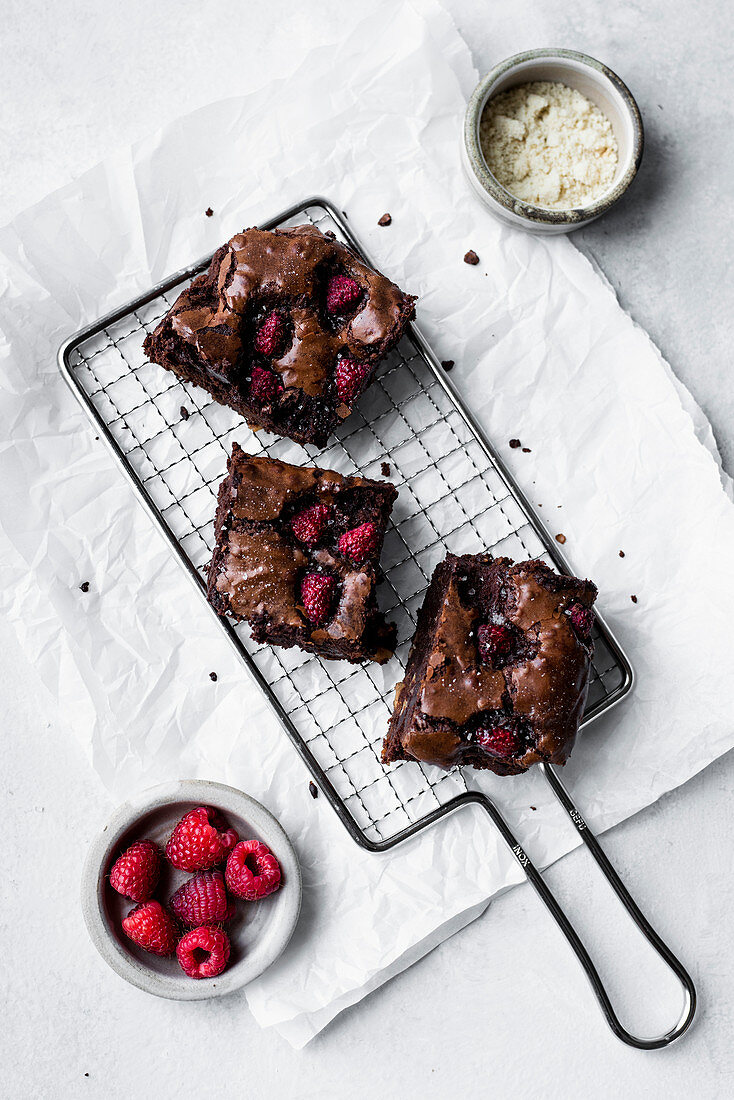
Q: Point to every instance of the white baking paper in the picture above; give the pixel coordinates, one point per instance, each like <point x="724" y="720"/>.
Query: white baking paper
<point x="620" y="459"/>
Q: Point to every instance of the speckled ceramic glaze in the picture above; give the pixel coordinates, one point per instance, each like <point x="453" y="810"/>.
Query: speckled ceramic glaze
<point x="597" y="83"/>
<point x="258" y="933"/>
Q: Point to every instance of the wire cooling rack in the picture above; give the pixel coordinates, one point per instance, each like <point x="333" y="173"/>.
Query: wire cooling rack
<point x="454" y="493"/>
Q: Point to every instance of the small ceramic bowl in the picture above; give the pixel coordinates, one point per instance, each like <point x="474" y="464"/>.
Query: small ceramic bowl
<point x="597" y="83"/>
<point x="258" y="933"/>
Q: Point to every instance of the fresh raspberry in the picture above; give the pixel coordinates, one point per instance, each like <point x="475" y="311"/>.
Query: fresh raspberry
<point x="317" y="594"/>
<point x="269" y="337"/>
<point x="252" y="870"/>
<point x="582" y="619"/>
<point x="203" y="952"/>
<point x="200" y="840"/>
<point x="360" y="542"/>
<point x="349" y="378"/>
<point x="499" y="741"/>
<point x="308" y="526"/>
<point x="202" y="899"/>
<point x="135" y="873"/>
<point x="493" y="641"/>
<point x="151" y="927"/>
<point x="341" y="293"/>
<point x="264" y="386"/>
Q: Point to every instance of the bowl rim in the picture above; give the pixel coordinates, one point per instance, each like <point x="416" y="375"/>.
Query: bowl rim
<point x="93" y="886"/>
<point x="495" y="191"/>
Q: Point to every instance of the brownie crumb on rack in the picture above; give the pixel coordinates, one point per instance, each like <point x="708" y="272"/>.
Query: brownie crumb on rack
<point x="313" y="789"/>
<point x="499" y="669"/>
<point x="561" y="538"/>
<point x="208" y="212"/>
<point x="515" y="443"/>
<point x="213" y="677"/>
<point x="447" y="364"/>
<point x="533" y="807"/>
<point x="386" y="219"/>
<point x="621" y="553"/>
<point x="634" y="599"/>
<point x="184" y="413"/>
<point x="84" y="586"/>
<point x="526" y="450"/>
<point x="385" y="469"/>
<point x="471" y="258"/>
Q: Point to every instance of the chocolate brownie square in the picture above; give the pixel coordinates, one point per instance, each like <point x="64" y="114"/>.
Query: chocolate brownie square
<point x="296" y="556"/>
<point x="287" y="327"/>
<point x="498" y="672"/>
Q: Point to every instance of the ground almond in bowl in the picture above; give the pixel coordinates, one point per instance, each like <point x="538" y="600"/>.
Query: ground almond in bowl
<point x="548" y="145"/>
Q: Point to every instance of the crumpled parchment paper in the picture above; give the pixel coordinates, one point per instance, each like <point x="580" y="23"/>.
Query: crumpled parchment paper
<point x="621" y="459"/>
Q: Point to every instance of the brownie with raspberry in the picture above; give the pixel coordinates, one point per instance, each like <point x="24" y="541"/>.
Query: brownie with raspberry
<point x="499" y="669"/>
<point x="287" y="327"/>
<point x="297" y="556"/>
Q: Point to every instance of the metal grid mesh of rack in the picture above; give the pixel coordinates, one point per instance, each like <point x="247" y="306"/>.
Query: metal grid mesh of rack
<point x="453" y="494"/>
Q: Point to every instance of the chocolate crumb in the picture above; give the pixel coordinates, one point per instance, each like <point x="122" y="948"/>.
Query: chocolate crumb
<point x="621" y="553"/>
<point x="96" y="437"/>
<point x="561" y="539"/>
<point x="84" y="586"/>
<point x="213" y="676"/>
<point x="330" y="234"/>
<point x="515" y="443"/>
<point x="313" y="789"/>
<point x="208" y="212"/>
<point x="185" y="414"/>
<point x="86" y="1075"/>
<point x="471" y="258"/>
<point x="526" y="450"/>
<point x="634" y="599"/>
<point x="447" y="364"/>
<point x="533" y="807"/>
<point x="385" y="469"/>
<point x="385" y="220"/>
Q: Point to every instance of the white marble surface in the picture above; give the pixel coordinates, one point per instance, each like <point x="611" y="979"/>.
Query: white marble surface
<point x="500" y="1009"/>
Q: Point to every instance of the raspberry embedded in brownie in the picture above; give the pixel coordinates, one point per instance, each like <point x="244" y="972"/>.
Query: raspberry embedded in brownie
<point x="297" y="556"/>
<point x="498" y="672"/>
<point x="287" y="327"/>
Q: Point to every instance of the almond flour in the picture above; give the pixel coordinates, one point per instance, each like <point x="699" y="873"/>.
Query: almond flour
<point x="548" y="145"/>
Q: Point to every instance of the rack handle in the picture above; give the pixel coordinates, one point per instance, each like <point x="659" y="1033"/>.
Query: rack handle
<point x="547" y="897"/>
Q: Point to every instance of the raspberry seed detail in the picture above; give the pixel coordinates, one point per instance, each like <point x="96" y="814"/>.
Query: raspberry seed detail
<point x="349" y="377"/>
<point x="308" y="526"/>
<point x="200" y="840"/>
<point x="317" y="595"/>
<point x="341" y="293"/>
<point x="359" y="543"/>
<point x="203" y="952"/>
<point x="252" y="872"/>
<point x="269" y="336"/>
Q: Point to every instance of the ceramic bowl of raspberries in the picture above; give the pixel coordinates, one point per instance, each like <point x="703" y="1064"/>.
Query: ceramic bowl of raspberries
<point x="191" y="890"/>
